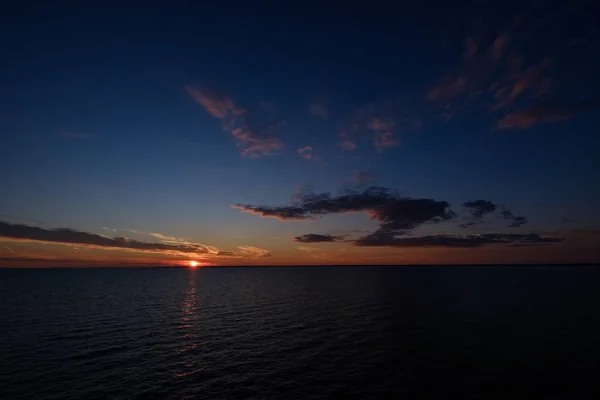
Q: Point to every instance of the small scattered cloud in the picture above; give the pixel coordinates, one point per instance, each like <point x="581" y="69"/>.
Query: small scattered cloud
<point x="384" y="132"/>
<point x="515" y="221"/>
<point x="478" y="209"/>
<point x="318" y="238"/>
<point x="319" y="109"/>
<point x="377" y="120"/>
<point x="362" y="178"/>
<point x="256" y="133"/>
<point x="347" y="145"/>
<point x="216" y="104"/>
<point x="305" y="152"/>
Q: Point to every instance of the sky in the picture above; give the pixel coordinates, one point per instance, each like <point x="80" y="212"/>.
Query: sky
<point x="263" y="134"/>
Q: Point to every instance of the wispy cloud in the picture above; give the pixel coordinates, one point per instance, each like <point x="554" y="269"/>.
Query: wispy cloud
<point x="163" y="237"/>
<point x="379" y="123"/>
<point x="8" y="249"/>
<point x="75" y="237"/>
<point x="254" y="252"/>
<point x="500" y="73"/>
<point x="256" y="135"/>
<point x="544" y="113"/>
<point x="384" y="133"/>
<point x="347" y="145"/>
<point x="305" y="152"/>
<point x="363" y="177"/>
<point x="216" y="104"/>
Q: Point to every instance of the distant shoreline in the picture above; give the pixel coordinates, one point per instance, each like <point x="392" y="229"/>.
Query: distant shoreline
<point x="313" y="266"/>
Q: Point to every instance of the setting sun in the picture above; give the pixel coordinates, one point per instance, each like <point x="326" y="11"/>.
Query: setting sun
<point x="193" y="264"/>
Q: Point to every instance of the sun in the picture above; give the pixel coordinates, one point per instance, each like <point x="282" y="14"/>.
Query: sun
<point x="193" y="264"/>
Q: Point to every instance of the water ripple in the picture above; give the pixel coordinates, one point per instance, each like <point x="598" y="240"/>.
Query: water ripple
<point x="293" y="333"/>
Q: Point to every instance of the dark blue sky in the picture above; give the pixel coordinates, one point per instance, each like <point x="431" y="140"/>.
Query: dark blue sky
<point x="158" y="119"/>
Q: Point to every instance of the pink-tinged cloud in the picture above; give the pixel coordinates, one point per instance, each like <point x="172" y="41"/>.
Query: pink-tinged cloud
<point x="319" y="109"/>
<point x="363" y="177"/>
<point x="347" y="145"/>
<point x="258" y="143"/>
<point x="257" y="137"/>
<point x="217" y="105"/>
<point x="384" y="132"/>
<point x="530" y="81"/>
<point x="493" y="73"/>
<point x="379" y="123"/>
<point x="305" y="152"/>
<point x="384" y="140"/>
<point x="544" y="113"/>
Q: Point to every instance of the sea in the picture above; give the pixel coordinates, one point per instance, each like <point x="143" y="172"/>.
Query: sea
<point x="372" y="332"/>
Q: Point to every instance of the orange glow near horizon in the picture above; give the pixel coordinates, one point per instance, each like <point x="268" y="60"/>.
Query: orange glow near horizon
<point x="193" y="264"/>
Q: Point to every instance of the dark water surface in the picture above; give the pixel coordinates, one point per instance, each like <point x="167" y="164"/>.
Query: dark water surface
<point x="301" y="333"/>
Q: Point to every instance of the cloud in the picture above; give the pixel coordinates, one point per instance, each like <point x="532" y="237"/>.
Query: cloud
<point x="308" y="249"/>
<point x="72" y="236"/>
<point x="398" y="216"/>
<point x="347" y="145"/>
<point x="256" y="133"/>
<point x="362" y="177"/>
<point x="287" y="213"/>
<point x="516" y="221"/>
<point x="254" y="252"/>
<point x="319" y="109"/>
<point x="384" y="132"/>
<point x="479" y="208"/>
<point x="456" y="241"/>
<point x="8" y="249"/>
<point x="162" y="237"/>
<point x="258" y="138"/>
<point x="493" y="72"/>
<point x="544" y="113"/>
<point x="218" y="105"/>
<point x="305" y="152"/>
<point x="378" y="122"/>
<point x="392" y="211"/>
<point x="317" y="238"/>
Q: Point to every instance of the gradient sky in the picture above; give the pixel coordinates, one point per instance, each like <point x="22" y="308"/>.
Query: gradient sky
<point x="254" y="134"/>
